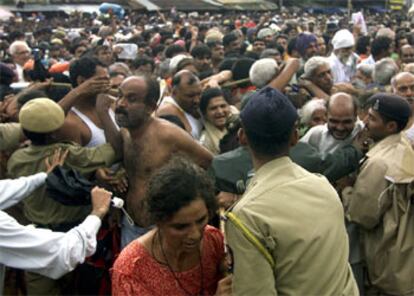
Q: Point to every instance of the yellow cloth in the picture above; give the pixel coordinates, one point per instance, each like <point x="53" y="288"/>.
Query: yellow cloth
<point x="300" y="219"/>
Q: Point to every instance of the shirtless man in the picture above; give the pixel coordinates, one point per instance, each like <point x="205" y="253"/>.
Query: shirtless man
<point x="184" y="102"/>
<point x="82" y="124"/>
<point x="147" y="143"/>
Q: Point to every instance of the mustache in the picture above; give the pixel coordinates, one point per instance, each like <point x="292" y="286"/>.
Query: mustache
<point x="121" y="110"/>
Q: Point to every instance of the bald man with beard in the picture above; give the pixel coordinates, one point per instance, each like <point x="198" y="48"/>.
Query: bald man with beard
<point x="147" y="143"/>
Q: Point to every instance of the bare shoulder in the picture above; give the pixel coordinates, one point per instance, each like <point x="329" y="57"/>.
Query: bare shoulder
<point x="169" y="131"/>
<point x="168" y="109"/>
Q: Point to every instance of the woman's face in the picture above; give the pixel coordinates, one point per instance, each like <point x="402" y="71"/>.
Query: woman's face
<point x="184" y="230"/>
<point x="218" y="110"/>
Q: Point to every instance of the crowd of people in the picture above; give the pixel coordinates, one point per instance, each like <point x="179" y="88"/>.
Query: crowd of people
<point x="254" y="154"/>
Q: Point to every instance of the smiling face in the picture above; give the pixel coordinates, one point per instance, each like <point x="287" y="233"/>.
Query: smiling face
<point x="218" y="110"/>
<point x="184" y="230"/>
<point x="341" y="116"/>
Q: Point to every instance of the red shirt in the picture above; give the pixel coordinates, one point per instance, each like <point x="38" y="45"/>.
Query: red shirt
<point x="136" y="272"/>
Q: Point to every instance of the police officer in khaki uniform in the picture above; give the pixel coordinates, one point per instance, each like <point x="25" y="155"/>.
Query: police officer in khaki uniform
<point x="295" y="215"/>
<point x="40" y="119"/>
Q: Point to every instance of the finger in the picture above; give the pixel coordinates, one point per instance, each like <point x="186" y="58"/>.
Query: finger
<point x="65" y="154"/>
<point x="47" y="163"/>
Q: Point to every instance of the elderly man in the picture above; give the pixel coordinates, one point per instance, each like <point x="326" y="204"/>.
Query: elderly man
<point x="317" y="77"/>
<point x="343" y="60"/>
<point x="381" y="199"/>
<point x="384" y="70"/>
<point x="406" y="54"/>
<point x="301" y="248"/>
<point x="20" y="53"/>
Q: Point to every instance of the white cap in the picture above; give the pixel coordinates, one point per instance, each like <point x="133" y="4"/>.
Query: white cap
<point x="343" y="39"/>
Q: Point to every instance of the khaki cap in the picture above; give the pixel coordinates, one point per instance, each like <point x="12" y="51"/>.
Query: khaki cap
<point x="41" y="115"/>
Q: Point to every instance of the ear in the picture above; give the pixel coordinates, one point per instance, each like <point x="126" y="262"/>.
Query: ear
<point x="391" y="127"/>
<point x="80" y="80"/>
<point x="294" y="137"/>
<point x="242" y="137"/>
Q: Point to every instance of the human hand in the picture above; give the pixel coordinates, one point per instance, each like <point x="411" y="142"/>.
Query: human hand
<point x="101" y="200"/>
<point x="104" y="102"/>
<point x="58" y="158"/>
<point x="119" y="182"/>
<point x="93" y="86"/>
<point x="362" y="141"/>
<point x="224" y="286"/>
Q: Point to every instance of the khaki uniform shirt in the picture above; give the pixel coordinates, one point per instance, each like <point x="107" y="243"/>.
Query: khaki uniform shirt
<point x="299" y="218"/>
<point x="381" y="202"/>
<point x="10" y="135"/>
<point x="38" y="207"/>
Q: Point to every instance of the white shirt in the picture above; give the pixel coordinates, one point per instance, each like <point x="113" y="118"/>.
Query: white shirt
<point x="369" y="61"/>
<point x="40" y="250"/>
<point x="320" y="138"/>
<point x="343" y="72"/>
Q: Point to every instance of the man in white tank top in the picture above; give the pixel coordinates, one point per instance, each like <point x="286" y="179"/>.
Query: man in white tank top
<point x="82" y="124"/>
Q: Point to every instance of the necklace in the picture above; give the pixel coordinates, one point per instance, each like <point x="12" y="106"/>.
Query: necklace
<point x="158" y="233"/>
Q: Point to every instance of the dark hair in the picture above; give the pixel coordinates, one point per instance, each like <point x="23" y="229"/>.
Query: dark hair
<point x="206" y="97"/>
<point x="362" y="45"/>
<point x="291" y="46"/>
<point x="201" y="51"/>
<point x="173" y="50"/>
<point x="173" y="119"/>
<point x="229" y="38"/>
<point x="184" y="63"/>
<point x="241" y="70"/>
<point x="142" y="61"/>
<point x="214" y="43"/>
<point x="29" y="94"/>
<point x="401" y="124"/>
<point x="177" y="78"/>
<point x="153" y="91"/>
<point x="37" y="139"/>
<point x="85" y="67"/>
<point x="227" y="63"/>
<point x="379" y="45"/>
<point x="175" y="186"/>
<point x="268" y="146"/>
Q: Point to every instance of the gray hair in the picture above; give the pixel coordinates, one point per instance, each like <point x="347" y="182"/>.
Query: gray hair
<point x="269" y="52"/>
<point x="116" y="67"/>
<point x="310" y="107"/>
<point x="314" y="63"/>
<point x="263" y="71"/>
<point x="13" y="47"/>
<point x="366" y="70"/>
<point x="384" y="70"/>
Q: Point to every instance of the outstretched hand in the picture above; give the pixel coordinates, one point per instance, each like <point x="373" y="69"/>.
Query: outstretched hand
<point x="58" y="158"/>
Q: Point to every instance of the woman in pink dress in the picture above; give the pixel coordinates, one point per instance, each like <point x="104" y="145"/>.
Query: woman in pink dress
<point x="182" y="255"/>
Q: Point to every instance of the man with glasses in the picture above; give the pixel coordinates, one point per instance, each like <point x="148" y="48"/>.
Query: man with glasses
<point x="20" y="53"/>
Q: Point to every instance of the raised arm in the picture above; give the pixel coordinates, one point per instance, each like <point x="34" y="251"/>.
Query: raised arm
<point x="112" y="134"/>
<point x="285" y="75"/>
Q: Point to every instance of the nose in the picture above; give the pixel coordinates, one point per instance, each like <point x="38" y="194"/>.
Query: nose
<point x="195" y="232"/>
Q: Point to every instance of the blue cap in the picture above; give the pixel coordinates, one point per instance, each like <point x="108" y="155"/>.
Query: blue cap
<point x="269" y="113"/>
